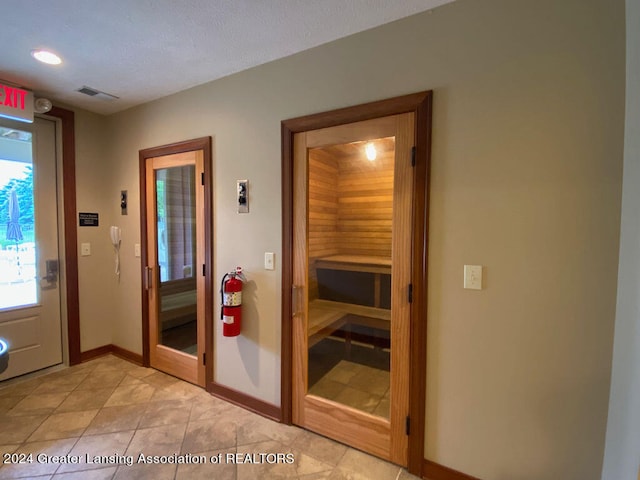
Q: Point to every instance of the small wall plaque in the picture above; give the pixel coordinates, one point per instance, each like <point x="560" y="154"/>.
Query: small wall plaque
<point x="88" y="219"/>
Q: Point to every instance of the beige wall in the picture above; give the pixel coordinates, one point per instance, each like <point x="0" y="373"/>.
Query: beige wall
<point x="96" y="276"/>
<point x="526" y="180"/>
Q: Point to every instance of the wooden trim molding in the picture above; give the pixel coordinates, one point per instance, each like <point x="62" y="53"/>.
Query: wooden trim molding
<point x="367" y="111"/>
<point x="111" y="349"/>
<point x="418" y="345"/>
<point x="126" y="354"/>
<point x="421" y="104"/>
<point x="67" y="119"/>
<point x="435" y="471"/>
<point x="286" y="335"/>
<point x="95" y="353"/>
<point x="146" y="356"/>
<point x="246" y="401"/>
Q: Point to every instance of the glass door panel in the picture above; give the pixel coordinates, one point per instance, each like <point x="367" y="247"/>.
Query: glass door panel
<point x="18" y="285"/>
<point x="350" y="202"/>
<point x="176" y="247"/>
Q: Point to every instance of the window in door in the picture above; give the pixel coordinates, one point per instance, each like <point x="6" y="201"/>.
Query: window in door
<point x="18" y="286"/>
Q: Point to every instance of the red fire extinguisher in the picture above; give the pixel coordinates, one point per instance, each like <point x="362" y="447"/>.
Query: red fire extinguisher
<point x="231" y="311"/>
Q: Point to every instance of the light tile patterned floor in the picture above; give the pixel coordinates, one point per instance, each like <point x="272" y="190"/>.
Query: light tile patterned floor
<point x="111" y="408"/>
<point x="358" y="386"/>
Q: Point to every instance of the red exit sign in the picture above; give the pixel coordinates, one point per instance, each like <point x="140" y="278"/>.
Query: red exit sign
<point x="16" y="103"/>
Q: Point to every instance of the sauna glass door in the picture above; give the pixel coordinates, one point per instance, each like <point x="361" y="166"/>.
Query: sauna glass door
<point x="174" y="250"/>
<point x="349" y="257"/>
<point x="352" y="238"/>
<point x="176" y="245"/>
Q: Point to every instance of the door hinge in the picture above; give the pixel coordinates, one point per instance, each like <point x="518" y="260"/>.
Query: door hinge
<point x="413" y="156"/>
<point x="407" y="425"/>
<point x="202" y="178"/>
<point x="204" y="270"/>
<point x="410" y="293"/>
<point x="204" y="358"/>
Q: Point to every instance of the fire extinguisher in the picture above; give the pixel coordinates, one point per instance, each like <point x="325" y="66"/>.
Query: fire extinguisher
<point x="231" y="296"/>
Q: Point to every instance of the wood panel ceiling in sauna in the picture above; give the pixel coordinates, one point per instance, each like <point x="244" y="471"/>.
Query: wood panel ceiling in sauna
<point x="355" y="149"/>
<point x="351" y="199"/>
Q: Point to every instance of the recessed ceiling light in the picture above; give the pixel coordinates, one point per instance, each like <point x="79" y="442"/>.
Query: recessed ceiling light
<point x="47" y="57"/>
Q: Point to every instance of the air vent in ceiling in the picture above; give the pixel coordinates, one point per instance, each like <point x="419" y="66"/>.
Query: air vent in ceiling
<point x="92" y="92"/>
<point x="88" y="91"/>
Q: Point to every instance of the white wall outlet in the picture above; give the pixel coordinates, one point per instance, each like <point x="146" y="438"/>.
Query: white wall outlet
<point x="136" y="250"/>
<point x="473" y="277"/>
<point x="85" y="249"/>
<point x="269" y="261"/>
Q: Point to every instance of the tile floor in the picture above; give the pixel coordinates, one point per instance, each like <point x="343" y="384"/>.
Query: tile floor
<point x="358" y="386"/>
<point x="357" y="376"/>
<point x="109" y="411"/>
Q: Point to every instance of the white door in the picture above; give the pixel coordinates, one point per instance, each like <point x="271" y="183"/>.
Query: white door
<point x="30" y="320"/>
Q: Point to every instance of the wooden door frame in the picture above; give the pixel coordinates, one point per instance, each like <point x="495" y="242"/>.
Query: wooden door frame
<point x="421" y="104"/>
<point x="66" y="120"/>
<point x="204" y="144"/>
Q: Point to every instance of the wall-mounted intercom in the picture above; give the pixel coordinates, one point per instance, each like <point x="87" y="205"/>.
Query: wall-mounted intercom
<point x="116" y="240"/>
<point x="243" y="196"/>
<point x="123" y="202"/>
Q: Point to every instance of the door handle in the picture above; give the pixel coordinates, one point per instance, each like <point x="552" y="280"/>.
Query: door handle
<point x="52" y="271"/>
<point x="296" y="299"/>
<point x="148" y="278"/>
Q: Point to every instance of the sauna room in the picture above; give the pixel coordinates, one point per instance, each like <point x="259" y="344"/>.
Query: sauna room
<point x="350" y="213"/>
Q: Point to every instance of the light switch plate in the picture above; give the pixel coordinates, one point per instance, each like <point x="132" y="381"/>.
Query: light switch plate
<point x="269" y="261"/>
<point x="473" y="277"/>
<point x="85" y="249"/>
<point x="136" y="250"/>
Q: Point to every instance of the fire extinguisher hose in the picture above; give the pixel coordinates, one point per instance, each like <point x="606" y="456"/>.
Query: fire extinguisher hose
<point x="222" y="294"/>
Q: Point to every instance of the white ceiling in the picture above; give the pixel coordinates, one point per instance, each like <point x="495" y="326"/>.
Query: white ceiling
<point x="140" y="50"/>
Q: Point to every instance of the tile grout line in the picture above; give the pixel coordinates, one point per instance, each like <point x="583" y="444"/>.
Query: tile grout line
<point x="184" y="436"/>
<point x="90" y="371"/>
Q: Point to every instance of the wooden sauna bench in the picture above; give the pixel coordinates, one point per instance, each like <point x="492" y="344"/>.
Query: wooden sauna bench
<point x="178" y="303"/>
<point x="355" y="263"/>
<point x="359" y="263"/>
<point x="326" y="316"/>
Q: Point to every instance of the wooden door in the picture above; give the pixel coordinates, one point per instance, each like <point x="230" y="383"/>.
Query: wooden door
<point x="175" y="264"/>
<point x="352" y="270"/>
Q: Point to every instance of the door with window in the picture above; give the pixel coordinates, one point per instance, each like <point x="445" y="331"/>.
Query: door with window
<point x="352" y="270"/>
<point x="175" y="275"/>
<point x="30" y="317"/>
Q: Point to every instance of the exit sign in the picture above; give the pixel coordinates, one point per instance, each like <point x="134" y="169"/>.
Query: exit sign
<point x="16" y="103"/>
